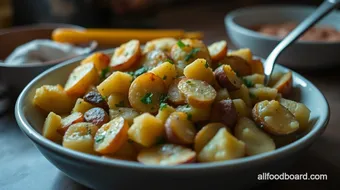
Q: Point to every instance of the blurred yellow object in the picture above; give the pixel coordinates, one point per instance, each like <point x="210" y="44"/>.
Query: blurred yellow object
<point x="117" y="36"/>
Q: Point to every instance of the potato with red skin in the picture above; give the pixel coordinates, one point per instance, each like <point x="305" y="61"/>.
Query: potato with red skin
<point x="126" y="56"/>
<point x="176" y="97"/>
<point x="97" y="100"/>
<point x="100" y="60"/>
<point x="239" y="65"/>
<point x="256" y="67"/>
<point x="167" y="155"/>
<point x="154" y="58"/>
<point x="96" y="116"/>
<point x="179" y="129"/>
<point x="218" y="50"/>
<point x="66" y="122"/>
<point x="284" y="85"/>
<point x="198" y="93"/>
<point x="227" y="78"/>
<point x="162" y="44"/>
<point x="225" y="112"/>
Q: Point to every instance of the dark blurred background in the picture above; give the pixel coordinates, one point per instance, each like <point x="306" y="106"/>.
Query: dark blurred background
<point x="114" y="13"/>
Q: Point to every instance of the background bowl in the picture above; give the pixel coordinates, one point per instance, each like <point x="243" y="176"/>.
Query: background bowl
<point x="302" y="54"/>
<point x="100" y="173"/>
<point x="17" y="77"/>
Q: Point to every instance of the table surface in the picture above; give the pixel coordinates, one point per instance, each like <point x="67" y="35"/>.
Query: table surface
<point x="23" y="167"/>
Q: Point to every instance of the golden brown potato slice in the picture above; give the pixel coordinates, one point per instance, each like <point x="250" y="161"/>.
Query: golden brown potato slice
<point x="225" y="112"/>
<point x="244" y="53"/>
<point x="81" y="106"/>
<point x="167" y="72"/>
<point x="126" y="56"/>
<point x="206" y="134"/>
<point x="274" y="118"/>
<point x="299" y="110"/>
<point x="51" y="126"/>
<point x="257" y="67"/>
<point x="176" y="97"/>
<point x="96" y="99"/>
<point x="243" y="93"/>
<point x="239" y="65"/>
<point x="49" y="98"/>
<point x="66" y="122"/>
<point x="146" y="130"/>
<point x="162" y="44"/>
<point x="81" y="78"/>
<point x="262" y="93"/>
<point x="117" y="82"/>
<point x="223" y="146"/>
<point x="195" y="114"/>
<point x="199" y="70"/>
<point x="218" y="50"/>
<point x="227" y="78"/>
<point x="126" y="152"/>
<point x="252" y="80"/>
<point x="118" y="100"/>
<point x="198" y="93"/>
<point x="241" y="108"/>
<point x="146" y="93"/>
<point x="179" y="129"/>
<point x="96" y="116"/>
<point x="127" y="113"/>
<point x="222" y="94"/>
<point x="256" y="140"/>
<point x="166" y="155"/>
<point x="111" y="136"/>
<point x="154" y="58"/>
<point x="164" y="112"/>
<point x="284" y="85"/>
<point x="101" y="61"/>
<point x="80" y="136"/>
<point x="274" y="78"/>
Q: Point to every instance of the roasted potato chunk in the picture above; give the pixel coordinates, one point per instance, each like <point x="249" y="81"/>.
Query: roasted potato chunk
<point x="225" y="112"/>
<point x="179" y="129"/>
<point x="218" y="50"/>
<point x="198" y="93"/>
<point x="299" y="110"/>
<point x="206" y="134"/>
<point x="96" y="99"/>
<point x="257" y="67"/>
<point x="127" y="113"/>
<point x="227" y="78"/>
<point x="111" y="136"/>
<point x="81" y="106"/>
<point x="256" y="140"/>
<point x="164" y="112"/>
<point x="117" y="100"/>
<point x="166" y="155"/>
<point x="262" y="93"/>
<point x="223" y="146"/>
<point x="222" y="94"/>
<point x="252" y="80"/>
<point x="67" y="121"/>
<point x="96" y="116"/>
<point x="146" y="130"/>
<point x="167" y="72"/>
<point x="239" y="65"/>
<point x="126" y="56"/>
<point x="117" y="82"/>
<point x="241" y="108"/>
<point x="154" y="58"/>
<point x="51" y="126"/>
<point x="49" y="98"/>
<point x="244" y="53"/>
<point x="81" y="78"/>
<point x="199" y="70"/>
<point x="146" y="92"/>
<point x="161" y="44"/>
<point x="243" y="93"/>
<point x="284" y="85"/>
<point x="195" y="114"/>
<point x="176" y="97"/>
<point x="274" y="118"/>
<point x="274" y="78"/>
<point x="101" y="61"/>
<point x="80" y="136"/>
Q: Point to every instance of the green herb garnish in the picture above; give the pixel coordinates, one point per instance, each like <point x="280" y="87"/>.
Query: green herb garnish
<point x="252" y="96"/>
<point x="120" y="104"/>
<point x="248" y="83"/>
<point x="163" y="106"/>
<point x="163" y="98"/>
<point x="191" y="54"/>
<point x="104" y="97"/>
<point x="140" y="71"/>
<point x="147" y="99"/>
<point x="170" y="61"/>
<point x="237" y="74"/>
<point x="206" y="65"/>
<point x="164" y="78"/>
<point x="187" y="106"/>
<point x="160" y="140"/>
<point x="89" y="131"/>
<point x="99" y="138"/>
<point x="104" y="73"/>
<point x="189" y="116"/>
<point x="180" y="44"/>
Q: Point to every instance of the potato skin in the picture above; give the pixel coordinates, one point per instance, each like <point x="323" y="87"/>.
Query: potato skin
<point x="126" y="56"/>
<point x="218" y="50"/>
<point x="176" y="97"/>
<point x="96" y="116"/>
<point x="66" y="122"/>
<point x="222" y="75"/>
<point x="96" y="99"/>
<point x="239" y="65"/>
<point x="244" y="53"/>
<point x="256" y="67"/>
<point x="225" y="112"/>
<point x="81" y="106"/>
<point x="284" y="85"/>
<point x="100" y="61"/>
<point x="179" y="129"/>
<point x="161" y="44"/>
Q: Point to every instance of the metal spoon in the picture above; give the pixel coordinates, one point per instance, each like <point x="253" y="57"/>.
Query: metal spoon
<point x="326" y="7"/>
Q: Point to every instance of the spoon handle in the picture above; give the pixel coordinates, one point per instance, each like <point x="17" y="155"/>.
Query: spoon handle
<point x="326" y="7"/>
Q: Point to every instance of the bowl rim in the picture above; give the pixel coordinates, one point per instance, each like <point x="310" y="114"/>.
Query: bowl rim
<point x="230" y="23"/>
<point x="36" y="137"/>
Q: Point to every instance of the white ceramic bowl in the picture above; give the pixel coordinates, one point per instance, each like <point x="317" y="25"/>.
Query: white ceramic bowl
<point x="100" y="173"/>
<point x="302" y="54"/>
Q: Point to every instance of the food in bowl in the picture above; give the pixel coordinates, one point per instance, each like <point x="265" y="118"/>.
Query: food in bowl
<point x="171" y="106"/>
<point x="320" y="33"/>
